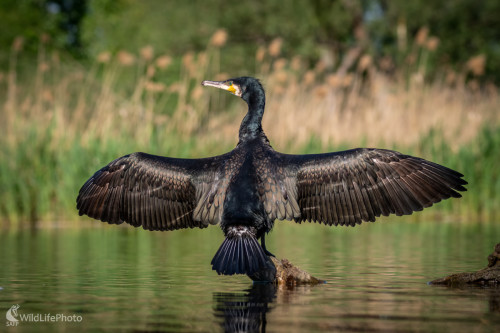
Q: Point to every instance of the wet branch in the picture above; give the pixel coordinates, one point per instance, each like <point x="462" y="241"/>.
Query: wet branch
<point x="283" y="272"/>
<point x="487" y="276"/>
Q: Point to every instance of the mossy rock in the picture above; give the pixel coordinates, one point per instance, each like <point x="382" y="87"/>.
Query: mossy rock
<point x="283" y="272"/>
<point x="489" y="276"/>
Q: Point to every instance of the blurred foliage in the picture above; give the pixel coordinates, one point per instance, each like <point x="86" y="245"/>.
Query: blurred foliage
<point x="346" y="71"/>
<point x="27" y="22"/>
<point x="317" y="29"/>
<point x="24" y="20"/>
<point x="465" y="28"/>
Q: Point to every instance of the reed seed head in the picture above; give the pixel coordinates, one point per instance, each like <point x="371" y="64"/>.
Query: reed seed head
<point x="309" y="77"/>
<point x="432" y="43"/>
<point x="150" y="72"/>
<point x="164" y="61"/>
<point x="364" y="62"/>
<point x="104" y="57"/>
<point x="275" y="47"/>
<point x="279" y="64"/>
<point x="125" y="58"/>
<point x="421" y="36"/>
<point x="261" y="52"/>
<point x="476" y="64"/>
<point x="147" y="53"/>
<point x="219" y="38"/>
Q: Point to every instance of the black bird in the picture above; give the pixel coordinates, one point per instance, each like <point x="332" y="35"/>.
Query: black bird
<point x="248" y="188"/>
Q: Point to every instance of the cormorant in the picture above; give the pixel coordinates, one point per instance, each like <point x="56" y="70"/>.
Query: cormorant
<point x="248" y="188"/>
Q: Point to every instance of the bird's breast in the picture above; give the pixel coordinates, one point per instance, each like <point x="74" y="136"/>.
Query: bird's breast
<point x="243" y="204"/>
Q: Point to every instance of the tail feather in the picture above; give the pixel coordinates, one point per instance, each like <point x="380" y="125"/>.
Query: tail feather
<point x="248" y="254"/>
<point x="240" y="253"/>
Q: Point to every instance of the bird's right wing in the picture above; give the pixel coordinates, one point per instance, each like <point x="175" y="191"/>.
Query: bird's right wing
<point x="157" y="193"/>
<point x="358" y="185"/>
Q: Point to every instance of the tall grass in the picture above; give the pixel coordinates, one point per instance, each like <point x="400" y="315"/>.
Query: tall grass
<point x="64" y="120"/>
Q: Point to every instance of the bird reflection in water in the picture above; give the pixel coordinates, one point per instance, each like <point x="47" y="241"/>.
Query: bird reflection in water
<point x="245" y="311"/>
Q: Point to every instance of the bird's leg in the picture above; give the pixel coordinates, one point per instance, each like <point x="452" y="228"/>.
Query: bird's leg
<point x="263" y="243"/>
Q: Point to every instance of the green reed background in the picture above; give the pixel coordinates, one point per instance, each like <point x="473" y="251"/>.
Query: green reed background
<point x="63" y="121"/>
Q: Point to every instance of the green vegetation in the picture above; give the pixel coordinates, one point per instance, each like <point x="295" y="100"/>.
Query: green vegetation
<point x="315" y="29"/>
<point x="53" y="141"/>
<point x="63" y="119"/>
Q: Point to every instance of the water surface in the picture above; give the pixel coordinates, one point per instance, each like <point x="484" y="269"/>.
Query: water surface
<point x="121" y="278"/>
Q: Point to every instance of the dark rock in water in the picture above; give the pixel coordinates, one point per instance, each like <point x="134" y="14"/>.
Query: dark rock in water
<point x="288" y="274"/>
<point x="267" y="274"/>
<point x="489" y="276"/>
<point x="284" y="272"/>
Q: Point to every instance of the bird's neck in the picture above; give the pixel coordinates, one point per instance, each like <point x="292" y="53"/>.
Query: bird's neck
<point x="251" y="126"/>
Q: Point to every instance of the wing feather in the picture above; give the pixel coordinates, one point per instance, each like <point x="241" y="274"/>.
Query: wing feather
<point x="157" y="193"/>
<point x="348" y="187"/>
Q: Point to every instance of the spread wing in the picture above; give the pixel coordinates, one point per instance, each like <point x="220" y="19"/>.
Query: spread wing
<point x="348" y="187"/>
<point x="157" y="193"/>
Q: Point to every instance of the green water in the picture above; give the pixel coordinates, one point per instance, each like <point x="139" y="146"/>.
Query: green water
<point x="121" y="278"/>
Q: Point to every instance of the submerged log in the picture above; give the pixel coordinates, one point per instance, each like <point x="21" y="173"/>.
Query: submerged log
<point x="283" y="272"/>
<point x="486" y="276"/>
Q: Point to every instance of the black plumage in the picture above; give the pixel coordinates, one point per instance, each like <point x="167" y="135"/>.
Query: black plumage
<point x="247" y="189"/>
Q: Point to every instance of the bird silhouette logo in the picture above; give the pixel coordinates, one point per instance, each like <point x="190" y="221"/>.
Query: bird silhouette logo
<point x="12" y="314"/>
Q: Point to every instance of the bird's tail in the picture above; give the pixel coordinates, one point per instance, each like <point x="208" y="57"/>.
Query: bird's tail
<point x="240" y="253"/>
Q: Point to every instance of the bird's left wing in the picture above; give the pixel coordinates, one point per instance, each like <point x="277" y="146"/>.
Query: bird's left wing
<point x="157" y="193"/>
<point x="357" y="185"/>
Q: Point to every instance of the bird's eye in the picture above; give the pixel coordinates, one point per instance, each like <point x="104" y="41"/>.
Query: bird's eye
<point x="230" y="83"/>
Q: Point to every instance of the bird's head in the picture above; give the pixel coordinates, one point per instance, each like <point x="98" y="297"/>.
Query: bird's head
<point x="242" y="87"/>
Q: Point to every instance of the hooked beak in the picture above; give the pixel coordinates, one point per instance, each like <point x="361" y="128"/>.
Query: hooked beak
<point x="224" y="85"/>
